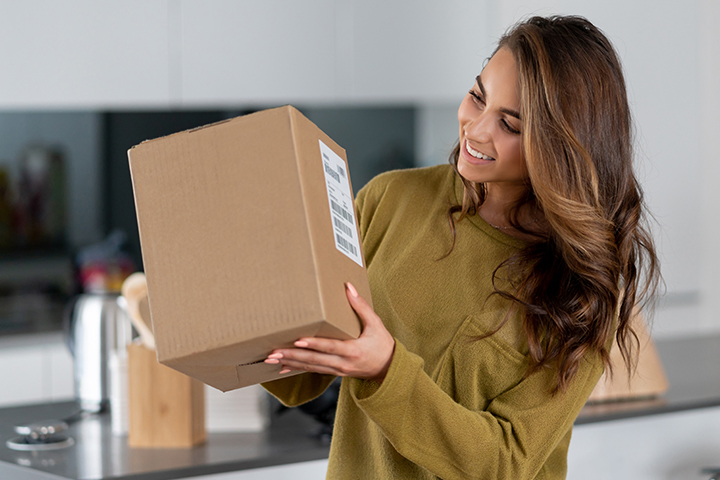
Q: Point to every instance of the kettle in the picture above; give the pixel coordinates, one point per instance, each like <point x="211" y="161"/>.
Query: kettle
<point x="96" y="324"/>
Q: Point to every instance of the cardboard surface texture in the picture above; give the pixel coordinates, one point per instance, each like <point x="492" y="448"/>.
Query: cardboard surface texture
<point x="248" y="234"/>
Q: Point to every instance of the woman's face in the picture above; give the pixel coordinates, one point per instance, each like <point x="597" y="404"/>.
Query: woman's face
<point x="490" y="137"/>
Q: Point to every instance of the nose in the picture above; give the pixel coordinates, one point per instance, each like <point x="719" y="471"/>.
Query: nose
<point x="479" y="128"/>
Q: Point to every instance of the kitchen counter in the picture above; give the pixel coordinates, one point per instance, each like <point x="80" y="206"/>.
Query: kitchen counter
<point x="98" y="453"/>
<point x="691" y="366"/>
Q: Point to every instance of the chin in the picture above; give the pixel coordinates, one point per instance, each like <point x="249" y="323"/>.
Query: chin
<point x="468" y="172"/>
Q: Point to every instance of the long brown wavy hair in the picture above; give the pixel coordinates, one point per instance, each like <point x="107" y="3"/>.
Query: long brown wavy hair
<point x="594" y="261"/>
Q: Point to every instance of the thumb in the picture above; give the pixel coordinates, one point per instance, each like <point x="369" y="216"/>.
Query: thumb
<point x="367" y="315"/>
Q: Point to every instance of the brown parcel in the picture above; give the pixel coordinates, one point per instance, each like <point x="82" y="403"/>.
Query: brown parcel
<point x="241" y="248"/>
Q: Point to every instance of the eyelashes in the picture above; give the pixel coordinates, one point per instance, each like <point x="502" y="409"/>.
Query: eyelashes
<point x="479" y="100"/>
<point x="476" y="97"/>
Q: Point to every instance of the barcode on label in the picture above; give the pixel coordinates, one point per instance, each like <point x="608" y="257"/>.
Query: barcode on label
<point x="341" y="211"/>
<point x="345" y="244"/>
<point x="332" y="173"/>
<point x="342" y="227"/>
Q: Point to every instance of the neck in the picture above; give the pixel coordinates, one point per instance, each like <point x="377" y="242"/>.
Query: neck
<point x="498" y="202"/>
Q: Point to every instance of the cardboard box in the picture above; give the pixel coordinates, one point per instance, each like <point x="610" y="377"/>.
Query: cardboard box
<point x="248" y="235"/>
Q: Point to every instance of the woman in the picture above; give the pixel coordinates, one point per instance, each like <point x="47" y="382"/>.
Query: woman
<point x="501" y="279"/>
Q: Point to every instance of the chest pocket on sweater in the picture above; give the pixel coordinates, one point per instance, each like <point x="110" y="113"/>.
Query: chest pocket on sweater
<point x="475" y="370"/>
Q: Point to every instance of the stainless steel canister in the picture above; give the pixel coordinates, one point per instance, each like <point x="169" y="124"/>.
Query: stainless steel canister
<point x="93" y="320"/>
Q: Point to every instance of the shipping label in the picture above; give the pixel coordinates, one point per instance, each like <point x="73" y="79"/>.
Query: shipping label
<point x="341" y="206"/>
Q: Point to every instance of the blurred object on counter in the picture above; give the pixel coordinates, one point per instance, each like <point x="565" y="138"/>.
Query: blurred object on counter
<point x="92" y="326"/>
<point x="104" y="266"/>
<point x="134" y="290"/>
<point x="243" y="410"/>
<point x="648" y="380"/>
<point x="166" y="408"/>
<point x="118" y="366"/>
<point x="40" y="218"/>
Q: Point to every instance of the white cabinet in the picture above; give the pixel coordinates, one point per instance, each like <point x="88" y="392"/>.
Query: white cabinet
<point x="204" y="53"/>
<point x="84" y="53"/>
<point x="673" y="446"/>
<point x="257" y="51"/>
<point x="418" y="51"/>
<point x="345" y="51"/>
<point x="296" y="471"/>
<point x="35" y="368"/>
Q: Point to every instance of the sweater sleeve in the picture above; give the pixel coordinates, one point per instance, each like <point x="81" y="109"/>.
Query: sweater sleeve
<point x="298" y="389"/>
<point x="510" y="438"/>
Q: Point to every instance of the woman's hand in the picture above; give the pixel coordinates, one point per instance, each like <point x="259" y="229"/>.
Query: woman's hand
<point x="367" y="356"/>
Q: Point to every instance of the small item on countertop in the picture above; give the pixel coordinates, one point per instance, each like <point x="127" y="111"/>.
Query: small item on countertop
<point x="647" y="380"/>
<point x="45" y="435"/>
<point x="134" y="290"/>
<point x="166" y="408"/>
<point x="93" y="321"/>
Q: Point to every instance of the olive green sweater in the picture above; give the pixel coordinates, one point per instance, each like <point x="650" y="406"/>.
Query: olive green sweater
<point x="451" y="406"/>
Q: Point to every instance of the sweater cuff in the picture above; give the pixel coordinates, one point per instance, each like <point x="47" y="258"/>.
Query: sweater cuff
<point x="398" y="382"/>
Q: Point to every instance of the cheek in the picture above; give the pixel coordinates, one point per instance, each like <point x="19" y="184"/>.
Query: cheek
<point x="514" y="153"/>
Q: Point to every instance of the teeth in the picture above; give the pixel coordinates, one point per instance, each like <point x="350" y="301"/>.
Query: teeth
<point x="476" y="154"/>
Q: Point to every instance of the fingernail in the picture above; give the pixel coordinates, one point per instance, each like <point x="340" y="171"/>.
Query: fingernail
<point x="301" y="343"/>
<point x="275" y="355"/>
<point x="272" y="361"/>
<point x="351" y="289"/>
<point x="284" y="370"/>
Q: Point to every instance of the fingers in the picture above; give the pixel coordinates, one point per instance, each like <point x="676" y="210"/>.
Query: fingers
<point x="308" y="360"/>
<point x="368" y="356"/>
<point x="361" y="306"/>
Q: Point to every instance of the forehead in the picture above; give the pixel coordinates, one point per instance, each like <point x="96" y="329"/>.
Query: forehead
<point x="499" y="79"/>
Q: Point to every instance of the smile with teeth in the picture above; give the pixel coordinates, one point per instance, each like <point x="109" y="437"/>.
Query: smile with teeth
<point x="477" y="154"/>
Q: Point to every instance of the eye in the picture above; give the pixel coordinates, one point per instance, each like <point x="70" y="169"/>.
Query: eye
<point x="509" y="128"/>
<point x="476" y="97"/>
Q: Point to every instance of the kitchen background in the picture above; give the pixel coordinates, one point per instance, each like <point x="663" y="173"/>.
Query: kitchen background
<point x="85" y="80"/>
<point x="81" y="81"/>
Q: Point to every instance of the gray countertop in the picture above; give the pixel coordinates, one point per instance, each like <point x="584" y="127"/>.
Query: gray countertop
<point x="98" y="454"/>
<point x="691" y="366"/>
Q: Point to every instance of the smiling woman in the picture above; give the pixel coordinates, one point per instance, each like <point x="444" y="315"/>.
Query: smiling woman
<point x="499" y="282"/>
<point x="491" y="150"/>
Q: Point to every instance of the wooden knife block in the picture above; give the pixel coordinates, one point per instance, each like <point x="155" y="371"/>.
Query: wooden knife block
<point x="166" y="408"/>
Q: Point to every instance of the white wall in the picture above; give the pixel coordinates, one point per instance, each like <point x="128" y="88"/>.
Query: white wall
<point x="671" y="55"/>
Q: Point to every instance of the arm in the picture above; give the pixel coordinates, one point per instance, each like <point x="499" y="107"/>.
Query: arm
<point x="511" y="437"/>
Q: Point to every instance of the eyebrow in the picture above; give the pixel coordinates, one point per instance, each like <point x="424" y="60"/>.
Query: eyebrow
<point x="504" y="110"/>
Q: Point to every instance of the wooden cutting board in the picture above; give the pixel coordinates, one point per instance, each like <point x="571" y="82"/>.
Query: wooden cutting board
<point x="649" y="380"/>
